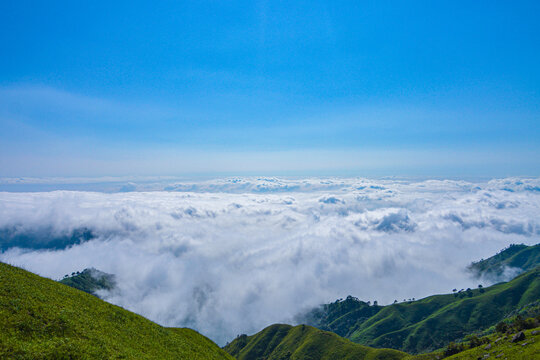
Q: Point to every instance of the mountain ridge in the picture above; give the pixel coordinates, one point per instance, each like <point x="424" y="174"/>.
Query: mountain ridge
<point x="461" y="317"/>
<point x="410" y="325"/>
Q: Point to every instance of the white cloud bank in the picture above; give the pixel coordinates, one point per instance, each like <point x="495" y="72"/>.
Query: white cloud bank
<point x="232" y="256"/>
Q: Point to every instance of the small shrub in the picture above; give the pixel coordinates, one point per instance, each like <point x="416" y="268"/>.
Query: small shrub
<point x="501" y="327"/>
<point x="475" y="341"/>
<point x="453" y="348"/>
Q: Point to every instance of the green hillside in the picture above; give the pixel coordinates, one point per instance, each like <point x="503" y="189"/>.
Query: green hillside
<point x="500" y="347"/>
<point x="431" y="323"/>
<point x="283" y="342"/>
<point x="90" y="281"/>
<point x="43" y="319"/>
<point x="515" y="338"/>
<point x="515" y="256"/>
<point x="496" y="347"/>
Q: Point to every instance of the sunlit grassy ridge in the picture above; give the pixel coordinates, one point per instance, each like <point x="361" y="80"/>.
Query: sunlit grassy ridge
<point x="303" y="342"/>
<point x="43" y="319"/>
<point x="285" y="342"/>
<point x="417" y="326"/>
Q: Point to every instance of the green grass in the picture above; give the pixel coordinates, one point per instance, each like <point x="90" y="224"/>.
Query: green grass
<point x="281" y="342"/>
<point x="43" y="319"/>
<point x="504" y="348"/>
<point x="497" y="346"/>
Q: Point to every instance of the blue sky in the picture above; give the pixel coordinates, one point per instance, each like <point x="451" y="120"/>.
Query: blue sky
<point x="211" y="87"/>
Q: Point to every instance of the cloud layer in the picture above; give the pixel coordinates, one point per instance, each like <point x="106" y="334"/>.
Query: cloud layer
<point x="231" y="256"/>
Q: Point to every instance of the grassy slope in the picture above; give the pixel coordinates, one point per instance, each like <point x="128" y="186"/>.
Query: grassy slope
<point x="43" y="319"/>
<point x="505" y="349"/>
<point x="499" y="347"/>
<point x="431" y="323"/>
<point x="303" y="342"/>
<point x="516" y="256"/>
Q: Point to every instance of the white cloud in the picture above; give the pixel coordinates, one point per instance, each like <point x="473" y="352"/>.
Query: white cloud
<point x="231" y="256"/>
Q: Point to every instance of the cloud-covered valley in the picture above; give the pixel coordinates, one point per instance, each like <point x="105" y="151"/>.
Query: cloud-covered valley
<point x="232" y="256"/>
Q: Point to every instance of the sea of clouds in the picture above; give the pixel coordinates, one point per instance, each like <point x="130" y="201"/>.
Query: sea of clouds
<point x="231" y="256"/>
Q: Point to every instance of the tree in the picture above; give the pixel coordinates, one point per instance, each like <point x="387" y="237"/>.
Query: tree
<point x="375" y="303"/>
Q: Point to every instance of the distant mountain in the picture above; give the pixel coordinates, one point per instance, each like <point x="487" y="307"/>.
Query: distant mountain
<point x="507" y="263"/>
<point x="283" y="342"/>
<point x="42" y="238"/>
<point x="44" y="319"/>
<point x="430" y="323"/>
<point x="90" y="280"/>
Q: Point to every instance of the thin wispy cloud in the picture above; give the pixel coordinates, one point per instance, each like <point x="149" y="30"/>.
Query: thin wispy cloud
<point x="51" y="132"/>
